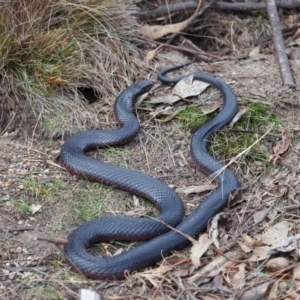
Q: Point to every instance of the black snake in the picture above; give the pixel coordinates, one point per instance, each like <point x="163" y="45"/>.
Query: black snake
<point x="171" y="208"/>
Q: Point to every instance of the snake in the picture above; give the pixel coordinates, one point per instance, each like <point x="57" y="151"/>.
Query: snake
<point x="160" y="241"/>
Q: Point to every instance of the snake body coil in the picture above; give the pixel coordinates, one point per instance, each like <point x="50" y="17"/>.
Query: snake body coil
<point x="169" y="204"/>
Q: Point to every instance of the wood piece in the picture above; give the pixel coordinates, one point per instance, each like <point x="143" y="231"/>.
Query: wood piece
<point x="279" y="44"/>
<point x="249" y="6"/>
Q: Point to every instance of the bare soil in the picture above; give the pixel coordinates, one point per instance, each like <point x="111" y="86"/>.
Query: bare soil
<point x="34" y="269"/>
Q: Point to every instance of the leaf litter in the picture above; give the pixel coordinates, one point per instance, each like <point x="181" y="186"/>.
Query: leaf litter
<point x="185" y="88"/>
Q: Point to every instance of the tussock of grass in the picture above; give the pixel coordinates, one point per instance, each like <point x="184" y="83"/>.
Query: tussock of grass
<point x="43" y="188"/>
<point x="192" y="118"/>
<point x="48" y="49"/>
<point x="89" y="206"/>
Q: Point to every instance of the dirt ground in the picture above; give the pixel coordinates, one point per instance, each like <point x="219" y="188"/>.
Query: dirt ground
<point x="39" y="199"/>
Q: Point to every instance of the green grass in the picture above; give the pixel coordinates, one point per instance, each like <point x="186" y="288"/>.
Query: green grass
<point x="44" y="188"/>
<point x="192" y="117"/>
<point x="120" y="156"/>
<point x="45" y="291"/>
<point x="227" y="144"/>
<point x="39" y="192"/>
<point x="24" y="207"/>
<point x="89" y="204"/>
<point x="51" y="122"/>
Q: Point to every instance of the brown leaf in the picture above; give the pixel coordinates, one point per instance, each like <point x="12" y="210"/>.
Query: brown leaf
<point x="199" y="248"/>
<point x="241" y="112"/>
<point x="252" y="242"/>
<point x="150" y="55"/>
<point x="276" y="233"/>
<point x="287" y="244"/>
<point x="239" y="277"/>
<point x="218" y="264"/>
<point x="158" y="31"/>
<point x="281" y="147"/>
<point x="260" y="253"/>
<point x="185" y="88"/>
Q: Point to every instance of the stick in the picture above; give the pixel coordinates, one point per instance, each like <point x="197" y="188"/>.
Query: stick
<point x="190" y="20"/>
<point x="279" y="44"/>
<point x="166" y="10"/>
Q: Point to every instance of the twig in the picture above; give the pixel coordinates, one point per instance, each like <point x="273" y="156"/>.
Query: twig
<point x="289" y="207"/>
<point x="279" y="44"/>
<point x="20" y="229"/>
<point x="271" y="207"/>
<point x="166" y="10"/>
<point x="269" y="277"/>
<point x="190" y="20"/>
<point x="57" y="240"/>
<point x="205" y="56"/>
<point x="26" y="269"/>
<point x="199" y="12"/>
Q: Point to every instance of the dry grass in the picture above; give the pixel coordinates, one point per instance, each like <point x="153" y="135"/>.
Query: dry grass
<point x="49" y="49"/>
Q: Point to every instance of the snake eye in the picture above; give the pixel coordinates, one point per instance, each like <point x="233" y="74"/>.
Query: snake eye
<point x="145" y="86"/>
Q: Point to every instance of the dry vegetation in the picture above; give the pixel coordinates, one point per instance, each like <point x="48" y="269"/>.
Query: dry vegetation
<point x="51" y="49"/>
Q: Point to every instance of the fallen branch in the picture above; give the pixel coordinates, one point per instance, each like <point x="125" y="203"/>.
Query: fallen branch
<point x="166" y="10"/>
<point x="279" y="44"/>
<point x="189" y="21"/>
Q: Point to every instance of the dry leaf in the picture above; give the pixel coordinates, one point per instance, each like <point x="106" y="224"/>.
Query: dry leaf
<point x="182" y="272"/>
<point x="150" y="55"/>
<point x="154" y="274"/>
<point x="217" y="282"/>
<point x="209" y="297"/>
<point x="185" y="88"/>
<point x="209" y="108"/>
<point x="273" y="291"/>
<point x="174" y="113"/>
<point x="256" y="292"/>
<point x="260" y="253"/>
<point x="254" y="51"/>
<point x="296" y="273"/>
<point x="287" y="244"/>
<point x="259" y="93"/>
<point x="214" y="230"/>
<point x="245" y="247"/>
<point x="195" y="189"/>
<point x="276" y="233"/>
<point x="294" y="43"/>
<point x="239" y="278"/>
<point x="252" y="242"/>
<point x="188" y="87"/>
<point x="212" y="269"/>
<point x="110" y="44"/>
<point x="241" y="112"/>
<point x="158" y="31"/>
<point x="259" y="215"/>
<point x="281" y="147"/>
<point x="34" y="208"/>
<point x="199" y="248"/>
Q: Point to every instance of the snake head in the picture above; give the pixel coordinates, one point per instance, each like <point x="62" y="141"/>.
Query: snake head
<point x="142" y="87"/>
